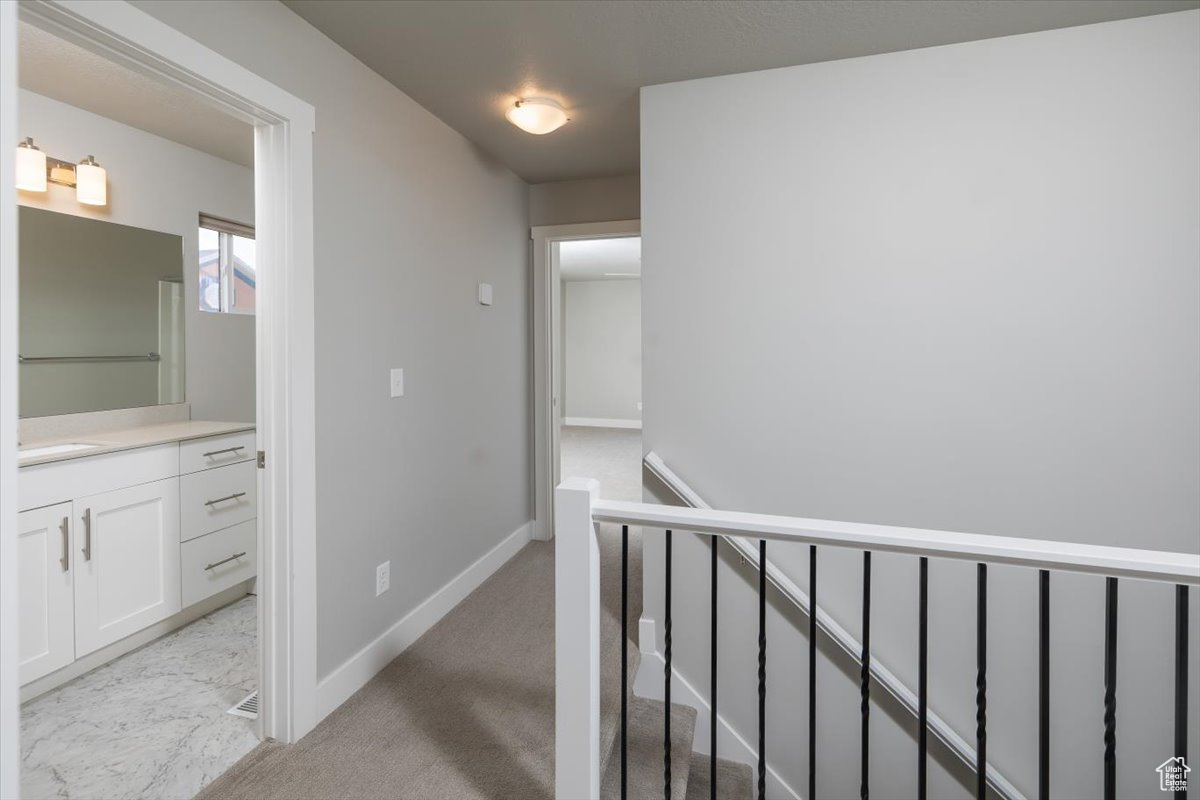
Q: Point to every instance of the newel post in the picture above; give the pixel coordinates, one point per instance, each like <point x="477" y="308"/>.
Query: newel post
<point x="576" y="642"/>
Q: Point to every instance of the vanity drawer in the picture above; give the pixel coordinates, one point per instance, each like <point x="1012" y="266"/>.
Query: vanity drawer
<point x="217" y="498"/>
<point x="217" y="561"/>
<point x="215" y="451"/>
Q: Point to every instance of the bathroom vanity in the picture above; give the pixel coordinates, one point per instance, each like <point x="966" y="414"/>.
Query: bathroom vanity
<point x="124" y="529"/>
<point x="134" y="518"/>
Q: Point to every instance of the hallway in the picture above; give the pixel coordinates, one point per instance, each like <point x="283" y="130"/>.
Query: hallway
<point x="468" y="710"/>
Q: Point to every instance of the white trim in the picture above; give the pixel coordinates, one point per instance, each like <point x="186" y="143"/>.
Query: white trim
<point x="546" y="303"/>
<point x="731" y="745"/>
<point x="602" y="422"/>
<point x="353" y="674"/>
<point x="576" y="643"/>
<point x="1117" y="562"/>
<point x="284" y="125"/>
<point x="10" y="707"/>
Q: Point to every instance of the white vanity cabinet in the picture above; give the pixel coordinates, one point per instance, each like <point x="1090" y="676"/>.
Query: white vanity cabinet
<point x="45" y="598"/>
<point x="126" y="562"/>
<point x="113" y="543"/>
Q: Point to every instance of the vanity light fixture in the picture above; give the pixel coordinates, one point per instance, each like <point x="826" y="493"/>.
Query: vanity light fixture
<point x="91" y="183"/>
<point x="31" y="167"/>
<point x="35" y="169"/>
<point x="537" y="115"/>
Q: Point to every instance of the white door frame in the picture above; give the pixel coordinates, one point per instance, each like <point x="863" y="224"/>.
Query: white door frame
<point x="546" y="305"/>
<point x="284" y="327"/>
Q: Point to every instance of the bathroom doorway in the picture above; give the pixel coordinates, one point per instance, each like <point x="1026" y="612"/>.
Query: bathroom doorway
<point x="267" y="439"/>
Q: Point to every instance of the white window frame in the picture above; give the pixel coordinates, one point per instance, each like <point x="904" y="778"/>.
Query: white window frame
<point x="226" y="229"/>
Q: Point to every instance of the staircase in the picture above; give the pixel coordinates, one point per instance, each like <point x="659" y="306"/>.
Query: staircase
<point x="646" y="773"/>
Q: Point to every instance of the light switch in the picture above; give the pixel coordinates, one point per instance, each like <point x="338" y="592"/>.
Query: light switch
<point x="397" y="383"/>
<point x="485" y="294"/>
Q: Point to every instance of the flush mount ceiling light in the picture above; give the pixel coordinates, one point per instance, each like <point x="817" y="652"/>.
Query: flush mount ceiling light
<point x="537" y="115"/>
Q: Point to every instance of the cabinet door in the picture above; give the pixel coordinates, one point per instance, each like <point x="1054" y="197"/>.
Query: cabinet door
<point x="44" y="604"/>
<point x="126" y="562"/>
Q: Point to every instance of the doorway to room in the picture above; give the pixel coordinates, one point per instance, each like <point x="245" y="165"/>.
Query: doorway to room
<point x="600" y="363"/>
<point x="587" y="360"/>
<point x="282" y="628"/>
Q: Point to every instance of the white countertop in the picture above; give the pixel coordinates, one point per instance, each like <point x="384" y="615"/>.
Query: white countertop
<point x="128" y="439"/>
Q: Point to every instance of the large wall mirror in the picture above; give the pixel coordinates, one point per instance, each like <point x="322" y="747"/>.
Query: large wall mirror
<point x="101" y="315"/>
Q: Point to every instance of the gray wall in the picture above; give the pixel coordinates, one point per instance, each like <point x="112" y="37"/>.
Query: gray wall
<point x="602" y="332"/>
<point x="409" y="217"/>
<point x="160" y="185"/>
<point x="586" y="200"/>
<point x="952" y="288"/>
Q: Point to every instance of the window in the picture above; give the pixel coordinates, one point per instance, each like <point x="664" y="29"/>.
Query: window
<point x="228" y="281"/>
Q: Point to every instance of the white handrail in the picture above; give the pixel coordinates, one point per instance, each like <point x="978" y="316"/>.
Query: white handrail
<point x="830" y="627"/>
<point x="577" y="509"/>
<point x="1117" y="562"/>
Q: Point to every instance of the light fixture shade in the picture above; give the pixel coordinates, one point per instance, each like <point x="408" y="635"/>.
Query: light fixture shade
<point x="91" y="183"/>
<point x="537" y="115"/>
<point x="31" y="167"/>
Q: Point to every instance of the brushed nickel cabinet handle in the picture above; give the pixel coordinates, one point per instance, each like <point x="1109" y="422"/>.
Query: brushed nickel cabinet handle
<point x="87" y="535"/>
<point x="234" y="496"/>
<point x="216" y="564"/>
<point x="66" y="544"/>
<point x="212" y="453"/>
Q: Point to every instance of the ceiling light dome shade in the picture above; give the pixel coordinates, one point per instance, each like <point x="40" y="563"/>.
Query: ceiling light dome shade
<point x="31" y="167"/>
<point x="537" y="115"/>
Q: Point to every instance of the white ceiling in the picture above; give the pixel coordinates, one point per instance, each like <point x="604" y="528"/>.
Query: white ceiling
<point x="70" y="74"/>
<point x="600" y="259"/>
<point x="468" y="61"/>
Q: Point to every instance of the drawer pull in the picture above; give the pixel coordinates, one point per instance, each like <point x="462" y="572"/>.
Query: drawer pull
<point x="216" y="564"/>
<point x="234" y="496"/>
<point x="66" y="547"/>
<point x="212" y="453"/>
<point x="87" y="534"/>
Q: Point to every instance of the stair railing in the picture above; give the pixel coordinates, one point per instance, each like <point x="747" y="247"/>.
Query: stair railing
<point x="578" y="509"/>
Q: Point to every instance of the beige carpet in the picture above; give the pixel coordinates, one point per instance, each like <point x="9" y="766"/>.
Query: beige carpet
<point x="466" y="712"/>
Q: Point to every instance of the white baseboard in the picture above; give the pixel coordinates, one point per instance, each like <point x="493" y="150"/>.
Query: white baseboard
<point x="731" y="744"/>
<point x="337" y="687"/>
<point x="601" y="422"/>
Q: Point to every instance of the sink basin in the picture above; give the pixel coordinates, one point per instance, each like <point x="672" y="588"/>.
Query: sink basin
<point x="53" y="450"/>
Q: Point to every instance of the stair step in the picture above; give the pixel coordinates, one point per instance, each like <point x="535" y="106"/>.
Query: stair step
<point x="735" y="781"/>
<point x="645" y="779"/>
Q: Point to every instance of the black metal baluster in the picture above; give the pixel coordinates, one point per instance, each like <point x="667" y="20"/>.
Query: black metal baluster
<point x="1110" y="689"/>
<point x="865" y="679"/>
<point x="981" y="683"/>
<point x="922" y="676"/>
<point x="624" y="660"/>
<point x="667" y="680"/>
<point x="712" y="727"/>
<point x="1181" y="676"/>
<point x="1044" y="684"/>
<point x="762" y="669"/>
<point x="812" y="672"/>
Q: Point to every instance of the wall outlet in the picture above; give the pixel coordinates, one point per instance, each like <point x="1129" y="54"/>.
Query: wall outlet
<point x="397" y="376"/>
<point x="383" y="578"/>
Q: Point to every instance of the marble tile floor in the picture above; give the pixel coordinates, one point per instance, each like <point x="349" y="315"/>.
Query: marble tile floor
<point x="150" y="725"/>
